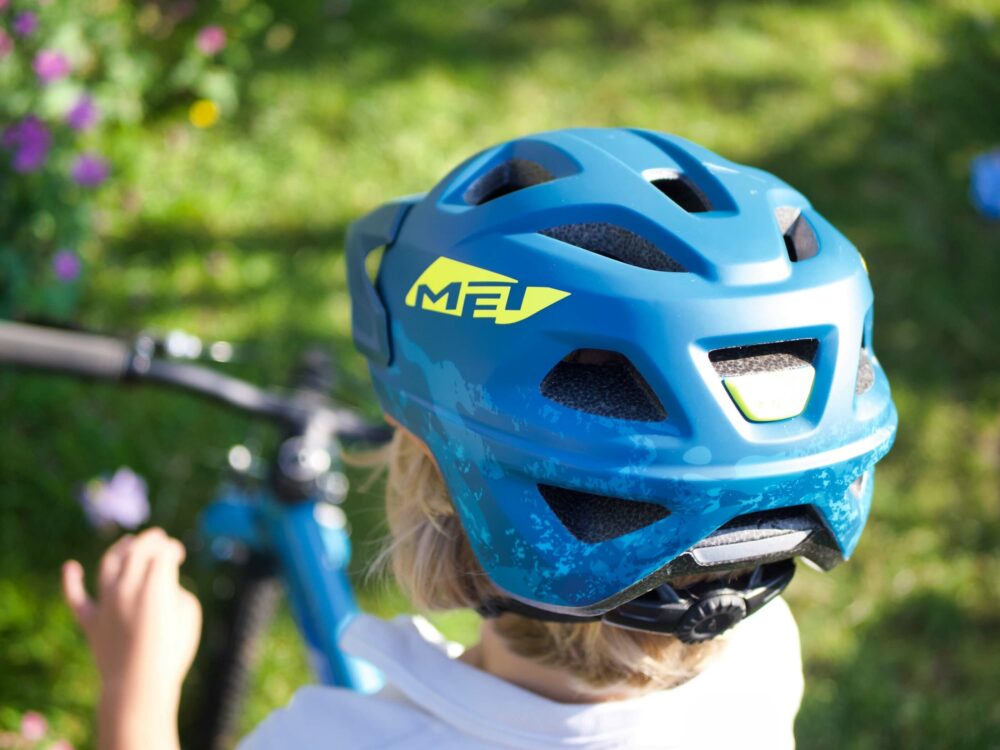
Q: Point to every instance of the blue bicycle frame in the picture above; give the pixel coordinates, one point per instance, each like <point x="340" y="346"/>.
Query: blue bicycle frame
<point x="309" y="541"/>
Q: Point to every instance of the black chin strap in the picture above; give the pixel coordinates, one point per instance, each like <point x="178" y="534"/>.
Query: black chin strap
<point x="694" y="614"/>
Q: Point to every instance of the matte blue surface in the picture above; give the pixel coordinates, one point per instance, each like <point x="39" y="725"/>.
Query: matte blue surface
<point x="470" y="388"/>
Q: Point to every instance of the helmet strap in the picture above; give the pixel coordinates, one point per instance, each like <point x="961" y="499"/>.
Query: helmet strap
<point x="693" y="614"/>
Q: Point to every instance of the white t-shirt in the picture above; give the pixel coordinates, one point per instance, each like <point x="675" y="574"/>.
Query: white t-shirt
<point x="745" y="698"/>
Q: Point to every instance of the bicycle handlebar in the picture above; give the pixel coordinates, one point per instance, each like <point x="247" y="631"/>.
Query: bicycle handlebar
<point x="107" y="358"/>
<point x="206" y="382"/>
<point x="65" y="351"/>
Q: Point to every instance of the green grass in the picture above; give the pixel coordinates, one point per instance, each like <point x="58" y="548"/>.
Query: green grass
<point x="873" y="109"/>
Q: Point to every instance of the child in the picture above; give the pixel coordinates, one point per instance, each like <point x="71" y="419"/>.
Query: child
<point x="631" y="381"/>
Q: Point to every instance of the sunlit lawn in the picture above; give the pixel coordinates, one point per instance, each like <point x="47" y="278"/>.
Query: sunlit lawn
<point x="872" y="109"/>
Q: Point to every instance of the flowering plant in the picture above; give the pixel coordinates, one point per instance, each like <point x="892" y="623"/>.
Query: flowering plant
<point x="34" y="734"/>
<point x="44" y="115"/>
<point x="66" y="76"/>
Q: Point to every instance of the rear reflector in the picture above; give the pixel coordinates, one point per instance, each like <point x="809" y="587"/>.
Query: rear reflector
<point x="771" y="396"/>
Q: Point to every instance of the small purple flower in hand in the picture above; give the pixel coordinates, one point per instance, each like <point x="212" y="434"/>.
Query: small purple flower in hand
<point x="6" y="44"/>
<point x="89" y="170"/>
<point x="120" y="500"/>
<point x="84" y="114"/>
<point x="51" y="65"/>
<point x="66" y="265"/>
<point x="33" y="726"/>
<point x="211" y="40"/>
<point x="30" y="140"/>
<point x="25" y="24"/>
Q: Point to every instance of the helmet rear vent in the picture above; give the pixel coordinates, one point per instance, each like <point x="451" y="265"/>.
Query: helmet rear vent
<point x="505" y="178"/>
<point x="793" y="517"/>
<point x="800" y="238"/>
<point x="678" y="188"/>
<point x="758" y="358"/>
<point x="603" y="383"/>
<point x="597" y="518"/>
<point x="866" y="373"/>
<point x="616" y="243"/>
<point x="759" y="537"/>
<point x="768" y="382"/>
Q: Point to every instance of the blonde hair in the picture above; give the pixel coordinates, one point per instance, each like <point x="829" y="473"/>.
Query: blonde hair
<point x="433" y="563"/>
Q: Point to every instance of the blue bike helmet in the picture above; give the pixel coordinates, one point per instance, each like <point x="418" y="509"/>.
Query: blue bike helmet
<point x="633" y="360"/>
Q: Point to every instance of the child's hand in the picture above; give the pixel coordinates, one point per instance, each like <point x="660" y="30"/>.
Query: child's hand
<point x="143" y="630"/>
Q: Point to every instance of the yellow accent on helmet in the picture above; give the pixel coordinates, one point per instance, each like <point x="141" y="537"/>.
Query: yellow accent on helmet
<point x="771" y="396"/>
<point x="454" y="288"/>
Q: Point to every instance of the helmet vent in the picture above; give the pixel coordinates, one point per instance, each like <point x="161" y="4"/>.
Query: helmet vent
<point x="759" y="537"/>
<point x="505" y="178"/>
<point x="866" y="373"/>
<point x="765" y="522"/>
<point x="775" y="357"/>
<point x="598" y="518"/>
<point x="800" y="238"/>
<point x="765" y="536"/>
<point x="678" y="188"/>
<point x="616" y="243"/>
<point x="602" y="383"/>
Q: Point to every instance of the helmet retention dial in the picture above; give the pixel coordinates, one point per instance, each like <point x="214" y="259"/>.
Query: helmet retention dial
<point x="694" y="614"/>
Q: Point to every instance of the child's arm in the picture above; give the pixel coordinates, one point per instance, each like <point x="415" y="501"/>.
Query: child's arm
<point x="143" y="630"/>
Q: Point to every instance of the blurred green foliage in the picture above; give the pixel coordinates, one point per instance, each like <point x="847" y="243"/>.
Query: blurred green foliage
<point x="873" y="109"/>
<point x="71" y="74"/>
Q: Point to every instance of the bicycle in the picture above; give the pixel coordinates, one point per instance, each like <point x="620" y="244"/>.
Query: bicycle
<point x="289" y="532"/>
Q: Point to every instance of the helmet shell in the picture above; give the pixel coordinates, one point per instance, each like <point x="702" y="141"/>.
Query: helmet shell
<point x="457" y="363"/>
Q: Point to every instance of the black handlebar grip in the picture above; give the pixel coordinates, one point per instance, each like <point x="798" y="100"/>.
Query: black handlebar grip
<point x="64" y="351"/>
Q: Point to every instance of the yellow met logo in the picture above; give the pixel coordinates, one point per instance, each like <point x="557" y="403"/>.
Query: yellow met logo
<point x="455" y="288"/>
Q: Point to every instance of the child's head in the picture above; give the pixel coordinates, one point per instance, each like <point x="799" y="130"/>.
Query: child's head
<point x="631" y="360"/>
<point x="432" y="561"/>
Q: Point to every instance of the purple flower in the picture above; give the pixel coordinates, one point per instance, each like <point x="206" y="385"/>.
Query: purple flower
<point x="120" y="500"/>
<point x="84" y="114"/>
<point x="4" y="4"/>
<point x="30" y="140"/>
<point x="25" y="24"/>
<point x="33" y="726"/>
<point x="66" y="265"/>
<point x="6" y="43"/>
<point x="51" y="65"/>
<point x="211" y="40"/>
<point x="89" y="170"/>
